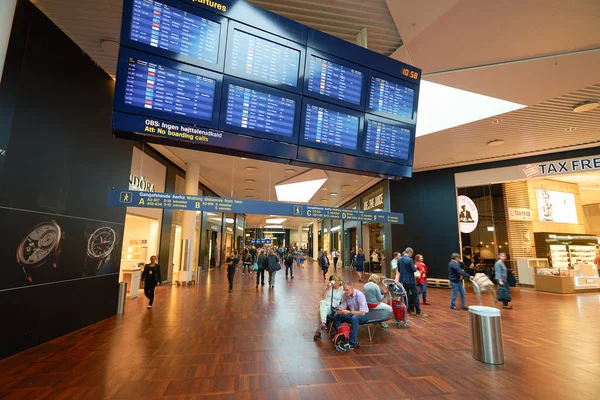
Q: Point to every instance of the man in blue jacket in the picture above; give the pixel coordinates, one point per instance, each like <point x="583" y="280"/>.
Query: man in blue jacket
<point x="405" y="274"/>
<point x="456" y="274"/>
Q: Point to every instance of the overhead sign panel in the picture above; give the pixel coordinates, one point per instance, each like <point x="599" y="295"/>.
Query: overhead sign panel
<point x="129" y="198"/>
<point x="261" y="77"/>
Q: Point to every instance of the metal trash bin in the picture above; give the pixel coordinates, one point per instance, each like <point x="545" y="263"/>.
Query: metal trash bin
<point x="486" y="334"/>
<point x="122" y="298"/>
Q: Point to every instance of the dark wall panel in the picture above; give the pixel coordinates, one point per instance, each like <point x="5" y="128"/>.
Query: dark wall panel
<point x="61" y="159"/>
<point x="428" y="202"/>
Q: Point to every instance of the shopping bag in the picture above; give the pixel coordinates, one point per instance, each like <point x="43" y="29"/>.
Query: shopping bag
<point x="503" y="294"/>
<point x="255" y="266"/>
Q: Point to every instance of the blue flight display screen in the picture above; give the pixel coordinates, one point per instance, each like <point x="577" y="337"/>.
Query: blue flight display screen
<point x="387" y="140"/>
<point x="334" y="80"/>
<point x="258" y="59"/>
<point x="159" y="25"/>
<point x="155" y="87"/>
<point x="391" y="98"/>
<point x="251" y="109"/>
<point x="331" y="128"/>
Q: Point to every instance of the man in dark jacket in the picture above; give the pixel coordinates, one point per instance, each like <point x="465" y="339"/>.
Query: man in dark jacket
<point x="273" y="263"/>
<point x="405" y="274"/>
<point x="289" y="264"/>
<point x="456" y="274"/>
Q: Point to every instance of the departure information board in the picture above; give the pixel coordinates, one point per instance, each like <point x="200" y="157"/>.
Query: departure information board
<point x="331" y="128"/>
<point x="261" y="60"/>
<point x="251" y="109"/>
<point x="154" y="87"/>
<point x="387" y="140"/>
<point x="391" y="98"/>
<point x="165" y="27"/>
<point x="334" y="80"/>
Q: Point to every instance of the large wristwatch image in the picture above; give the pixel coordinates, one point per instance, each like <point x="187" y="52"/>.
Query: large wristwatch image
<point x="41" y="246"/>
<point x="100" y="246"/>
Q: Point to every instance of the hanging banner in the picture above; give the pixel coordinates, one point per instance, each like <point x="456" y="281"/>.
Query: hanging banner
<point x="130" y="198"/>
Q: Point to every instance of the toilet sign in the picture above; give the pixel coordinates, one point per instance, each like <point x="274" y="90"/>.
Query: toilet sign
<point x="468" y="217"/>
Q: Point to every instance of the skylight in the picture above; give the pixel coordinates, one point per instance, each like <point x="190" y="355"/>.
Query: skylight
<point x="301" y="188"/>
<point x="443" y="107"/>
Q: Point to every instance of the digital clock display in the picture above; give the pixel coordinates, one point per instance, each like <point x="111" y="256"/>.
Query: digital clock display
<point x="409" y="73"/>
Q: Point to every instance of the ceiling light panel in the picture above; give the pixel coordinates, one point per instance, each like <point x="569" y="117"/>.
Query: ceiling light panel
<point x="275" y="220"/>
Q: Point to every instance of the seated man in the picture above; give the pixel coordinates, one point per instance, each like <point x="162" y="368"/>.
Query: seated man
<point x="352" y="310"/>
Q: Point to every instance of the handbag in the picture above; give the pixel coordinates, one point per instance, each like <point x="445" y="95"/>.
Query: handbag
<point x="503" y="294"/>
<point x="255" y="266"/>
<point x="417" y="274"/>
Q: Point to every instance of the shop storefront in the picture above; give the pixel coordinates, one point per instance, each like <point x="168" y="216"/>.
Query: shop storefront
<point x="545" y="216"/>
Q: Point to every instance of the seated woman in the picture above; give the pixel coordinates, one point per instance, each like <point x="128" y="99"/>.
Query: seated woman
<point x="375" y="295"/>
<point x="334" y="293"/>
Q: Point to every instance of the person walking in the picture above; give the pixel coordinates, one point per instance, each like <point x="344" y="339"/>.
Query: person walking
<point x="456" y="275"/>
<point x="274" y="266"/>
<point x="261" y="261"/>
<point x="232" y="262"/>
<point x="406" y="276"/>
<point x="335" y="256"/>
<point x="324" y="264"/>
<point x="501" y="274"/>
<point x="289" y="264"/>
<point x="360" y="264"/>
<point x="422" y="279"/>
<point x="352" y="258"/>
<point x="151" y="278"/>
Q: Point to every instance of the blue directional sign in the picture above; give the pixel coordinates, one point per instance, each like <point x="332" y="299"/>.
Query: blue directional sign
<point x="130" y="198"/>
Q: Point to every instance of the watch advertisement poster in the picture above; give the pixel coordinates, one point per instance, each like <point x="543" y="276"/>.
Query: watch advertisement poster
<point x="45" y="248"/>
<point x="468" y="216"/>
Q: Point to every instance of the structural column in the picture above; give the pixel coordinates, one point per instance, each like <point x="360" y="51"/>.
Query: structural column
<point x="188" y="229"/>
<point x="7" y="13"/>
<point x="315" y="228"/>
<point x="300" y="236"/>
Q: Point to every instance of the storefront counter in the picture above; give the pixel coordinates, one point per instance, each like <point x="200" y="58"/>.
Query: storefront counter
<point x="554" y="284"/>
<point x="132" y="277"/>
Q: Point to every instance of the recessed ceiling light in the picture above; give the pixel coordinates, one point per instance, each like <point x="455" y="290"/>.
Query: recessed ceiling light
<point x="587" y="106"/>
<point x="333" y="194"/>
<point x="275" y="221"/>
<point x="324" y="189"/>
<point x="211" y="172"/>
<point x="495" y="143"/>
<point x="249" y="197"/>
<point x="346" y="187"/>
<point x="496" y="121"/>
<point x="356" y="180"/>
<point x="250" y="181"/>
<point x="250" y="169"/>
<point x="571" y="129"/>
<point x="250" y="190"/>
<point x="323" y="200"/>
<point x="289" y="171"/>
<point x="244" y="158"/>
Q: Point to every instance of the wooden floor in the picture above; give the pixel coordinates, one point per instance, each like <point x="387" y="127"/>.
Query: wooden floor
<point x="199" y="342"/>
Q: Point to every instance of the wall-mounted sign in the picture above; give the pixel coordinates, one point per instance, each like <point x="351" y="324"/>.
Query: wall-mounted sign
<point x="519" y="214"/>
<point x="171" y="201"/>
<point x="373" y="202"/>
<point x="583" y="164"/>
<point x="556" y="206"/>
<point x="468" y="216"/>
<point x="140" y="183"/>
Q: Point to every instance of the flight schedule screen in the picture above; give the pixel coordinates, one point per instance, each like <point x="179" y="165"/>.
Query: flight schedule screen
<point x="391" y="98"/>
<point x="261" y="60"/>
<point x="251" y="109"/>
<point x="331" y="128"/>
<point x="155" y="87"/>
<point x="334" y="80"/>
<point x="387" y="140"/>
<point x="159" y="25"/>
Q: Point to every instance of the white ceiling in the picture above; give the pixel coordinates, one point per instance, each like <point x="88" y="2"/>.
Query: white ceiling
<point x="229" y="176"/>
<point x="589" y="186"/>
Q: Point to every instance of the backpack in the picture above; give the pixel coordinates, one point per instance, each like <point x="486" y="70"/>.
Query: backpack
<point x="289" y="260"/>
<point x="342" y="337"/>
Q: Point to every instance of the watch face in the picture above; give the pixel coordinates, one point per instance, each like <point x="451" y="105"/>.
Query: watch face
<point x="102" y="242"/>
<point x="41" y="242"/>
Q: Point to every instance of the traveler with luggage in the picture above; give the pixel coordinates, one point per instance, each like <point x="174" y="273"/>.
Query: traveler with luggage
<point x="262" y="263"/>
<point x="352" y="310"/>
<point x="456" y="275"/>
<point x="501" y="275"/>
<point x="406" y="276"/>
<point x="274" y="266"/>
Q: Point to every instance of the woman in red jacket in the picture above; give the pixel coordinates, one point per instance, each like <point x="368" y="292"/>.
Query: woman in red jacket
<point x="422" y="280"/>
